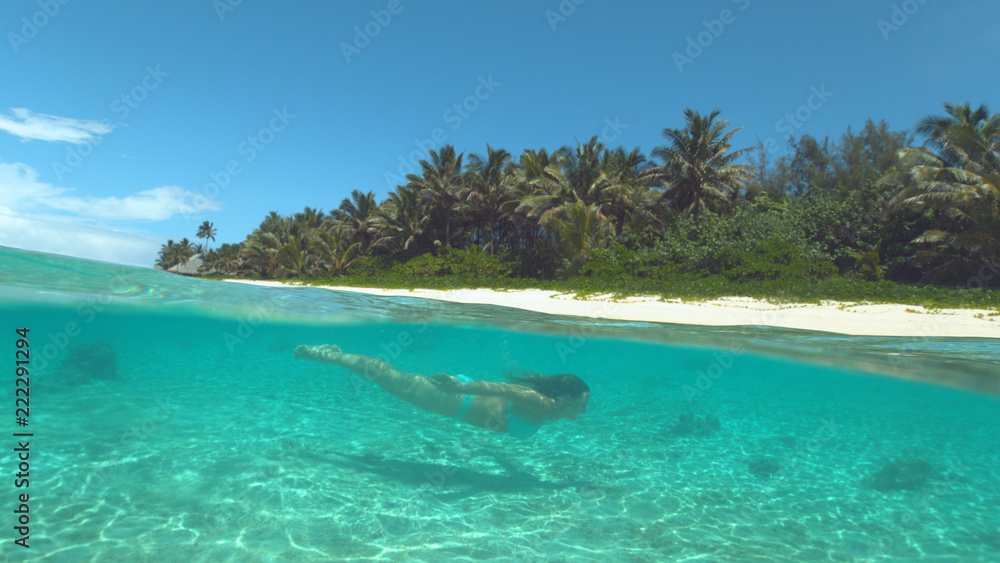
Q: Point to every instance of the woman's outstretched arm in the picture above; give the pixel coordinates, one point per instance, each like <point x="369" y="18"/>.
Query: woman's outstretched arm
<point x="522" y="396"/>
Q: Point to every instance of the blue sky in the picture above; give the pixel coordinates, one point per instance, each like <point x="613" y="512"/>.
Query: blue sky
<point x="123" y="124"/>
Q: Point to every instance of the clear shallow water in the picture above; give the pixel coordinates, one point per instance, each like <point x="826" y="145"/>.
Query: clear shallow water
<point x="213" y="444"/>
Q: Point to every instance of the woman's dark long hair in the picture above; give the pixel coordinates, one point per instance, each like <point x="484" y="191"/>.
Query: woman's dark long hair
<point x="551" y="386"/>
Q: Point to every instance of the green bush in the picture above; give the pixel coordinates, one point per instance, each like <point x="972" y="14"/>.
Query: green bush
<point x="618" y="261"/>
<point x="371" y="266"/>
<point x="473" y="263"/>
<point x="771" y="260"/>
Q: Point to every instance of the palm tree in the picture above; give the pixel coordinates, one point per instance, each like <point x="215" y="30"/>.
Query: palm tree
<point x="402" y="221"/>
<point x="542" y="185"/>
<point x="577" y="229"/>
<point x="936" y="128"/>
<point x="539" y="170"/>
<point x="698" y="163"/>
<point x="491" y="183"/>
<point x="223" y="260"/>
<point x="275" y="224"/>
<point x="307" y="219"/>
<point x="614" y="181"/>
<point x="184" y="251"/>
<point x="958" y="172"/>
<point x="166" y="255"/>
<point x="207" y="231"/>
<point x="293" y="256"/>
<point x="332" y="247"/>
<point x="584" y="171"/>
<point x="357" y="213"/>
<point x="624" y="192"/>
<point x="443" y="181"/>
<point x="581" y="178"/>
<point x="174" y="254"/>
<point x="260" y="252"/>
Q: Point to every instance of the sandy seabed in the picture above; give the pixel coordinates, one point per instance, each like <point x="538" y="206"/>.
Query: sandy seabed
<point x="859" y="319"/>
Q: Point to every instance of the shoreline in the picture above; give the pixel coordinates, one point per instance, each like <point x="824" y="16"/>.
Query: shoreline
<point x="852" y="319"/>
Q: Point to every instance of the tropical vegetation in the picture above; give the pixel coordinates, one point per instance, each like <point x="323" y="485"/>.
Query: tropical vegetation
<point x="869" y="214"/>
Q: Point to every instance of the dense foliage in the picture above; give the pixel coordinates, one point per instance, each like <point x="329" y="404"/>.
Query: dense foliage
<point x="866" y="216"/>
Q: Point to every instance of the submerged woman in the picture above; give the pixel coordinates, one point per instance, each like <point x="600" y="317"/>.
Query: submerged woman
<point x="517" y="408"/>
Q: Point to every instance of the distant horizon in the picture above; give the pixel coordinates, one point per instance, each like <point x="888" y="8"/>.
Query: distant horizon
<point x="110" y="148"/>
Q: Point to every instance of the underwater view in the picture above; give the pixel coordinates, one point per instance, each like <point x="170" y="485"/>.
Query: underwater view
<point x="170" y="421"/>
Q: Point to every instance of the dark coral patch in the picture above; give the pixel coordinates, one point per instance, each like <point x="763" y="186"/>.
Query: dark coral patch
<point x="901" y="475"/>
<point x="763" y="467"/>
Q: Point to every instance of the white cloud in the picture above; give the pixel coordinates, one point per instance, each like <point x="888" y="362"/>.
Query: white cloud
<point x="21" y="190"/>
<point x="157" y="204"/>
<point x="39" y="216"/>
<point x="19" y="186"/>
<point x="28" y="125"/>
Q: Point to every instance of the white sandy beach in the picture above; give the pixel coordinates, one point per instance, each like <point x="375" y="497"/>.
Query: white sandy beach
<point x="843" y="318"/>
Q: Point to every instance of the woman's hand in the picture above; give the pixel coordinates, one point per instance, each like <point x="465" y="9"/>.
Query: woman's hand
<point x="447" y="383"/>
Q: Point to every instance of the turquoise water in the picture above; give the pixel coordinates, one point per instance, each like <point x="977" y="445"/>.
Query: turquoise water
<point x="171" y="423"/>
